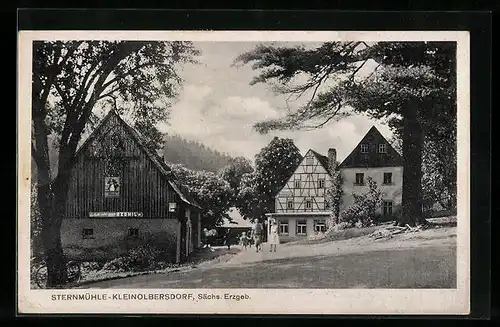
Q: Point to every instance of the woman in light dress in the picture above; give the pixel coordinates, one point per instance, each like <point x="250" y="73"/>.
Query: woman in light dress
<point x="274" y="238"/>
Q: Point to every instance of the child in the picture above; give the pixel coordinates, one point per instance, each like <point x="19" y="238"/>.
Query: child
<point x="244" y="240"/>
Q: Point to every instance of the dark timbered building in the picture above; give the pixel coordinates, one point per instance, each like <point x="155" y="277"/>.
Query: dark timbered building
<point x="122" y="195"/>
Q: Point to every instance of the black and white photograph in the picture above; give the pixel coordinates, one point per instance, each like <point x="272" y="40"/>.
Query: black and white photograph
<point x="241" y="172"/>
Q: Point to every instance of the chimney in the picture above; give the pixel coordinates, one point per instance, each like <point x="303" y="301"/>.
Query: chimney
<point x="332" y="157"/>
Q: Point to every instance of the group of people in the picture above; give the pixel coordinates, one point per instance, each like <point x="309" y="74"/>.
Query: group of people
<point x="256" y="236"/>
<point x="245" y="240"/>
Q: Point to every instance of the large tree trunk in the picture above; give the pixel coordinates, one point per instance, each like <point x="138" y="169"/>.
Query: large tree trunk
<point x="51" y="196"/>
<point x="413" y="140"/>
<point x="51" y="238"/>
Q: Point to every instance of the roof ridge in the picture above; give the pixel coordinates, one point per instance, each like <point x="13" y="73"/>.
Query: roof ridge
<point x="348" y="160"/>
<point x="160" y="164"/>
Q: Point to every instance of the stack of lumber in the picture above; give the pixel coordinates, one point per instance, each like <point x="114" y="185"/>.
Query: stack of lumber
<point x="389" y="231"/>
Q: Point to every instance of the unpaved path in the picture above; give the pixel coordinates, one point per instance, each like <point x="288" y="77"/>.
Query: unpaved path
<point x="422" y="260"/>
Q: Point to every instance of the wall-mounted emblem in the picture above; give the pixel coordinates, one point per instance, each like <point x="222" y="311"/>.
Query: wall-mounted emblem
<point x="112" y="187"/>
<point x="172" y="206"/>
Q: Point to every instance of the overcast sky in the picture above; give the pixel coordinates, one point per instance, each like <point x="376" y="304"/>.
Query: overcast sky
<point x="218" y="107"/>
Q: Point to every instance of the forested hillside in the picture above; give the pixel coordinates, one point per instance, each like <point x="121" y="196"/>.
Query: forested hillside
<point x="193" y="155"/>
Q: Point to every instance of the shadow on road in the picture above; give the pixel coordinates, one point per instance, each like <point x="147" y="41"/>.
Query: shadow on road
<point x="430" y="267"/>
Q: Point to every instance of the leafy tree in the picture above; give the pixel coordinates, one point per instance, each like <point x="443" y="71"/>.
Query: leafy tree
<point x="412" y="87"/>
<point x="250" y="202"/>
<point x="70" y="80"/>
<point x="274" y="165"/>
<point x="439" y="169"/>
<point x="233" y="172"/>
<point x="212" y="192"/>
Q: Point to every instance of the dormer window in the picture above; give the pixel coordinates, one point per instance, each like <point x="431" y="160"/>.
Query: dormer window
<point x="382" y="148"/>
<point x="364" y="148"/>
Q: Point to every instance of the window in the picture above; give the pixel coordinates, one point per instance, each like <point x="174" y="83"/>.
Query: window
<point x="387" y="209"/>
<point x="310" y="161"/>
<point x="382" y="148"/>
<point x="289" y="204"/>
<point x="388" y="178"/>
<point x="133" y="232"/>
<point x="360" y="179"/>
<point x="297" y="184"/>
<point x="364" y="148"/>
<point x="283" y="227"/>
<point x="320" y="226"/>
<point x="308" y="204"/>
<point x="88" y="233"/>
<point x="301" y="227"/>
<point x="321" y="183"/>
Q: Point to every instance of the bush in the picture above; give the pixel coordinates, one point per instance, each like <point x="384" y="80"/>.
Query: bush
<point x="362" y="212"/>
<point x="120" y="264"/>
<point x="140" y="258"/>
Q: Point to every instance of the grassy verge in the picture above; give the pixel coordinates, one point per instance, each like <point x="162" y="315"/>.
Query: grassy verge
<point x="199" y="258"/>
<point x="341" y="235"/>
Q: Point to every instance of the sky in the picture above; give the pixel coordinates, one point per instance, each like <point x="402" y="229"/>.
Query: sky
<point x="218" y="107"/>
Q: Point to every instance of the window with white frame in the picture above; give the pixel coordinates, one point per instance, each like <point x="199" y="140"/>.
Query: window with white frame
<point x="283" y="227"/>
<point x="321" y="183"/>
<point x="308" y="204"/>
<point x="382" y="148"/>
<point x="309" y="161"/>
<point x="289" y="204"/>
<point x="301" y="227"/>
<point x="297" y="184"/>
<point x="320" y="225"/>
<point x="364" y="148"/>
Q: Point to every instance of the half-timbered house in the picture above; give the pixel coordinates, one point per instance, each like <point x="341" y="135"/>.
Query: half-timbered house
<point x="122" y="195"/>
<point x="301" y="206"/>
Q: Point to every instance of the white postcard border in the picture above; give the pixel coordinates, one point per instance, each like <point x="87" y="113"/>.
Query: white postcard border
<point x="262" y="301"/>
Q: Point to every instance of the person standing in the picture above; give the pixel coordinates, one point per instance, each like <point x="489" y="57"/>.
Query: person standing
<point x="227" y="239"/>
<point x="244" y="241"/>
<point x="257" y="235"/>
<point x="274" y="238"/>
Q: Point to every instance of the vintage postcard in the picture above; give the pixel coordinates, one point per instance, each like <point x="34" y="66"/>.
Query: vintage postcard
<point x="243" y="172"/>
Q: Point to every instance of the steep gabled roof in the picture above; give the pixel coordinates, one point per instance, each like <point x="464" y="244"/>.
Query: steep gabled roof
<point x="154" y="157"/>
<point x="372" y="158"/>
<point x="323" y="160"/>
